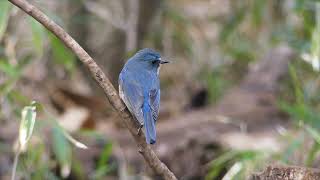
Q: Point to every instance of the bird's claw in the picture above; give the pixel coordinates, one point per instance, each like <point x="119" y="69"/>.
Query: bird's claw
<point x="139" y="130"/>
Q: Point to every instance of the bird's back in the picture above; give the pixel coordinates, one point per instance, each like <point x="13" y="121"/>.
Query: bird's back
<point x="145" y="79"/>
<point x="132" y="86"/>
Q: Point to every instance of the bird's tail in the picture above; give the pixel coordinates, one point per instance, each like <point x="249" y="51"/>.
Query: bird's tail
<point x="149" y="125"/>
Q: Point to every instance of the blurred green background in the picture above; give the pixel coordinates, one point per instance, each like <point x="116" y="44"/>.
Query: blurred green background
<point x="242" y="91"/>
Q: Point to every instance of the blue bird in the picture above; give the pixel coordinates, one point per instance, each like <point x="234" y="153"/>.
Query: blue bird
<point x="139" y="88"/>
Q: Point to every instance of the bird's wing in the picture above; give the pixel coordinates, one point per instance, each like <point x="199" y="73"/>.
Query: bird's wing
<point x="155" y="103"/>
<point x="150" y="110"/>
<point x="131" y="94"/>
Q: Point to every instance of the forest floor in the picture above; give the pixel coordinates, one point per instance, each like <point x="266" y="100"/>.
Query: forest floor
<point x="246" y="117"/>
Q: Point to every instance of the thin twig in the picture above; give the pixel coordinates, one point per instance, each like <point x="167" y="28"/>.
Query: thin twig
<point x="96" y="72"/>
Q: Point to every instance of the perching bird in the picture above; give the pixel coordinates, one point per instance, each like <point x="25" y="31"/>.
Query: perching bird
<point x="139" y="88"/>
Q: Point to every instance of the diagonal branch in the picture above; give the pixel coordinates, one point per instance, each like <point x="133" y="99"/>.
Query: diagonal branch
<point x="145" y="150"/>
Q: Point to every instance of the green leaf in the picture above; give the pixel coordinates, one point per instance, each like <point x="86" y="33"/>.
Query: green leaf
<point x="312" y="154"/>
<point x="75" y="142"/>
<point x="61" y="54"/>
<point x="316" y="146"/>
<point x="216" y="85"/>
<point x="17" y="97"/>
<point x="78" y="169"/>
<point x="232" y="24"/>
<point x="4" y="16"/>
<point x="314" y="133"/>
<point x="293" y="146"/>
<point x="104" y="167"/>
<point x="217" y="165"/>
<point x="8" y="68"/>
<point x="28" y="118"/>
<point x="234" y="171"/>
<point x="62" y="150"/>
<point x="182" y="39"/>
<point x="14" y="71"/>
<point x="105" y="155"/>
<point x="302" y="113"/>
<point x="176" y="16"/>
<point x="258" y="9"/>
<point x="296" y="84"/>
<point x="223" y="161"/>
<point x="38" y="35"/>
<point x="102" y="171"/>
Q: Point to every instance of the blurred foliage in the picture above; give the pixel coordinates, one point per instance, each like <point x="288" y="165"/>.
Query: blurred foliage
<point x="239" y="164"/>
<point x="13" y="74"/>
<point x="62" y="151"/>
<point x="28" y="119"/>
<point x="217" y="81"/>
<point x="4" y="17"/>
<point x="238" y="43"/>
<point x="300" y="98"/>
<point x="33" y="164"/>
<point x="250" y="28"/>
<point x="304" y="109"/>
<point x="36" y="162"/>
<point x="232" y="23"/>
<point x="104" y="165"/>
<point x="40" y="161"/>
<point x="38" y="36"/>
<point x="300" y="109"/>
<point x="9" y="69"/>
<point x="177" y="26"/>
<point x="61" y="54"/>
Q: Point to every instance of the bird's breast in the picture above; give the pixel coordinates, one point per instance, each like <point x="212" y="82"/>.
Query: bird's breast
<point x="121" y="92"/>
<point x="158" y="69"/>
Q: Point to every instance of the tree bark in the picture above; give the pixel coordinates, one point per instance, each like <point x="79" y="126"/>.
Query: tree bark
<point x="287" y="173"/>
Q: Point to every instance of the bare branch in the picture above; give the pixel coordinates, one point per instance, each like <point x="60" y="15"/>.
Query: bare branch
<point x="145" y="150"/>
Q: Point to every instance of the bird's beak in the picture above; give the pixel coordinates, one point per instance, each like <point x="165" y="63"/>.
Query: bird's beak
<point x="164" y="61"/>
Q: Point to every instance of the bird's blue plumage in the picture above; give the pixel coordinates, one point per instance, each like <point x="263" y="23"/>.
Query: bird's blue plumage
<point x="139" y="88"/>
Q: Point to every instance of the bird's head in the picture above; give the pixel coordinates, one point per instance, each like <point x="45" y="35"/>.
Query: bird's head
<point x="149" y="58"/>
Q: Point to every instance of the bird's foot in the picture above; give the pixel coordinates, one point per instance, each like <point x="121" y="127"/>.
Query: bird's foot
<point x="139" y="130"/>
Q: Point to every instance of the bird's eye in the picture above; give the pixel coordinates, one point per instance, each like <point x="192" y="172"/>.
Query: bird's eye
<point x="154" y="62"/>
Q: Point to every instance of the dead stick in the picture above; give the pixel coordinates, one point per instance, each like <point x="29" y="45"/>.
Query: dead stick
<point x="145" y="150"/>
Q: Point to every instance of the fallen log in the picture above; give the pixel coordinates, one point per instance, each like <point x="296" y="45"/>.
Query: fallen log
<point x="287" y="173"/>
